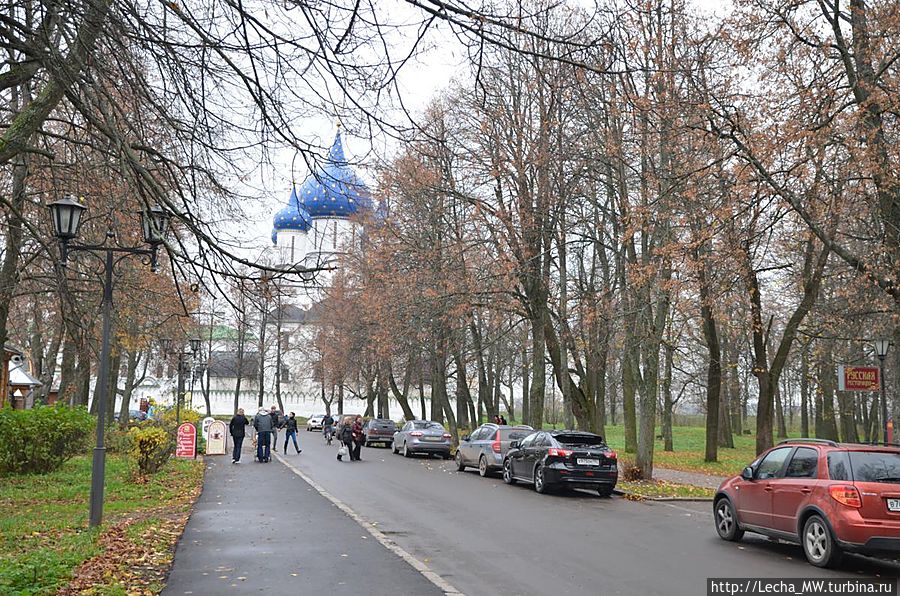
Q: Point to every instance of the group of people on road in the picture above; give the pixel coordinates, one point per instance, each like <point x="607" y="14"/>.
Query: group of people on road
<point x="350" y="434"/>
<point x="266" y="424"/>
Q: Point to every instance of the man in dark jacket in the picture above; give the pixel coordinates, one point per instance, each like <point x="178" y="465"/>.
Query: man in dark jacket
<point x="262" y="422"/>
<point x="237" y="428"/>
<point x="290" y="432"/>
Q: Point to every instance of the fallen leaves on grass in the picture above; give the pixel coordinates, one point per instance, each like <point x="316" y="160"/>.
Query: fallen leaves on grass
<point x="135" y="561"/>
<point x="137" y="565"/>
<point x="663" y="489"/>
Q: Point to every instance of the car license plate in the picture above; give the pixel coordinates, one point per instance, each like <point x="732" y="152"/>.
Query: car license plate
<point x="432" y="438"/>
<point x="893" y="504"/>
<point x="583" y="461"/>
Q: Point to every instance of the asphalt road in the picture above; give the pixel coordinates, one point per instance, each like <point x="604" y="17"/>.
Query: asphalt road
<point x="488" y="538"/>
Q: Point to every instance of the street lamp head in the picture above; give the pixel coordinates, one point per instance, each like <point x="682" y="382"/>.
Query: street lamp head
<point x="881" y="347"/>
<point x="195" y="346"/>
<point x="154" y="225"/>
<point x="165" y="344"/>
<point x="66" y="217"/>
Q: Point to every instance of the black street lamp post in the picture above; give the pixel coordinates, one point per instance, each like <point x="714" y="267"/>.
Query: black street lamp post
<point x="881" y="350"/>
<point x="66" y="217"/>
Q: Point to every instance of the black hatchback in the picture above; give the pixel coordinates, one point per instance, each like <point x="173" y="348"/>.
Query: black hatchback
<point x="562" y="458"/>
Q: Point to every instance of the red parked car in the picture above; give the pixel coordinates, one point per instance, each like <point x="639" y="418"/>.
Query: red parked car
<point x="830" y="498"/>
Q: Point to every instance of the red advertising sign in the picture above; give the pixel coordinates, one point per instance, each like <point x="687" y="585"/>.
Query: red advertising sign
<point x="186" y="443"/>
<point x="858" y="378"/>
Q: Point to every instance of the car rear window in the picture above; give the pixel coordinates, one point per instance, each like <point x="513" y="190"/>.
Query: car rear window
<point x="580" y="439"/>
<point x="433" y="425"/>
<point x="875" y="466"/>
<point x="514" y="434"/>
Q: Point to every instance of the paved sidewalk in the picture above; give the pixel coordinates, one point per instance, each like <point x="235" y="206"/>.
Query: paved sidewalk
<point x="260" y="527"/>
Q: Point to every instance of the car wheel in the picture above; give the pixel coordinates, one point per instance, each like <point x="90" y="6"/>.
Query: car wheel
<point x="507" y="472"/>
<point x="394" y="448"/>
<point x="605" y="491"/>
<point x="406" y="451"/>
<point x="819" y="546"/>
<point x="726" y="521"/>
<point x="539" y="483"/>
<point x="482" y="466"/>
<point x="460" y="464"/>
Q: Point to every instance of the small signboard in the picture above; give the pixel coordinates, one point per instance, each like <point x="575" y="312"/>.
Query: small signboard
<point x="858" y="378"/>
<point x="215" y="438"/>
<point x="186" y="443"/>
<point x="205" y="426"/>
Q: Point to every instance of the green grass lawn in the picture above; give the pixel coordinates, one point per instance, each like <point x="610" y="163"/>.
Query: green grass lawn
<point x="44" y="532"/>
<point x="690" y="448"/>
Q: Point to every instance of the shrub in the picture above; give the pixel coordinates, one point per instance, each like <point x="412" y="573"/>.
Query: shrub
<point x="151" y="446"/>
<point x="167" y="417"/>
<point x="117" y="440"/>
<point x="40" y="440"/>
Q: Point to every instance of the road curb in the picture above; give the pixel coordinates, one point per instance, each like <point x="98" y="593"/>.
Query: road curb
<point x="369" y="527"/>
<point x="637" y="496"/>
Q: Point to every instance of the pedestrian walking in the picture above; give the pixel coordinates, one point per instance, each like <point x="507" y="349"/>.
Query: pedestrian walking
<point x="345" y="436"/>
<point x="238" y="429"/>
<point x="277" y="423"/>
<point x="328" y="428"/>
<point x="290" y="432"/>
<point x="503" y="420"/>
<point x="262" y="422"/>
<point x="358" y="439"/>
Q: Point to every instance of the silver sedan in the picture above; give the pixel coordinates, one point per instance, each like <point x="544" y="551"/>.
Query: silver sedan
<point x="422" y="436"/>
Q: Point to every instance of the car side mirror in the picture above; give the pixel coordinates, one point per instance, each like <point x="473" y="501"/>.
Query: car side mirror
<point x="747" y="473"/>
<point x="514" y="445"/>
<point x="465" y="437"/>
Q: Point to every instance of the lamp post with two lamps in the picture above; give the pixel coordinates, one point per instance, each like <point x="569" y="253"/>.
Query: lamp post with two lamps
<point x="66" y="215"/>
<point x="881" y="350"/>
<point x="166" y="345"/>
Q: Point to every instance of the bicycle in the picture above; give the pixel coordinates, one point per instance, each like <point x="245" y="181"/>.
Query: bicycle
<point x="328" y="431"/>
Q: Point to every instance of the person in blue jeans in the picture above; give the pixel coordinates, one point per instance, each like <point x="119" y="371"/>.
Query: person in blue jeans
<point x="290" y="432"/>
<point x="262" y="422"/>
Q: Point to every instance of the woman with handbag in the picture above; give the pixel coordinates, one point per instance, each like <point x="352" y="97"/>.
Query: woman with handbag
<point x="345" y="436"/>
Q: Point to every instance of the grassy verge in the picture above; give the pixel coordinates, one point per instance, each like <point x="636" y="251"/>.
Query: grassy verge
<point x="45" y="543"/>
<point x="690" y="448"/>
<point x="659" y="489"/>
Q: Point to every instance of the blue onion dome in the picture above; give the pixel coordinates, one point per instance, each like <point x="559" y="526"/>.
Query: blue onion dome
<point x="335" y="190"/>
<point x="292" y="217"/>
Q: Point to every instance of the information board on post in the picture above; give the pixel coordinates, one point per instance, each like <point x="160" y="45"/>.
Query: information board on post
<point x="858" y="378"/>
<point x="186" y="442"/>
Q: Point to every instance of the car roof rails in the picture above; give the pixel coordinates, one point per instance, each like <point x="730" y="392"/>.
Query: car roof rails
<point x="828" y="442"/>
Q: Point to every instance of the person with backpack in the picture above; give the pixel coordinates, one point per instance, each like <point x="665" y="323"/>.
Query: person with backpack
<point x="262" y="422"/>
<point x="290" y="432"/>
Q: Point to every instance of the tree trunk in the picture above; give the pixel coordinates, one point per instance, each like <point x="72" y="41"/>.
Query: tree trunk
<point x="668" y="406"/>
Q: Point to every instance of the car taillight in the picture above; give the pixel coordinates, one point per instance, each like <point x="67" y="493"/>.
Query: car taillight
<point x="554" y="452"/>
<point x="416" y="433"/>
<point x="611" y="455"/>
<point x="495" y="446"/>
<point x="845" y="495"/>
<point x="448" y="436"/>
